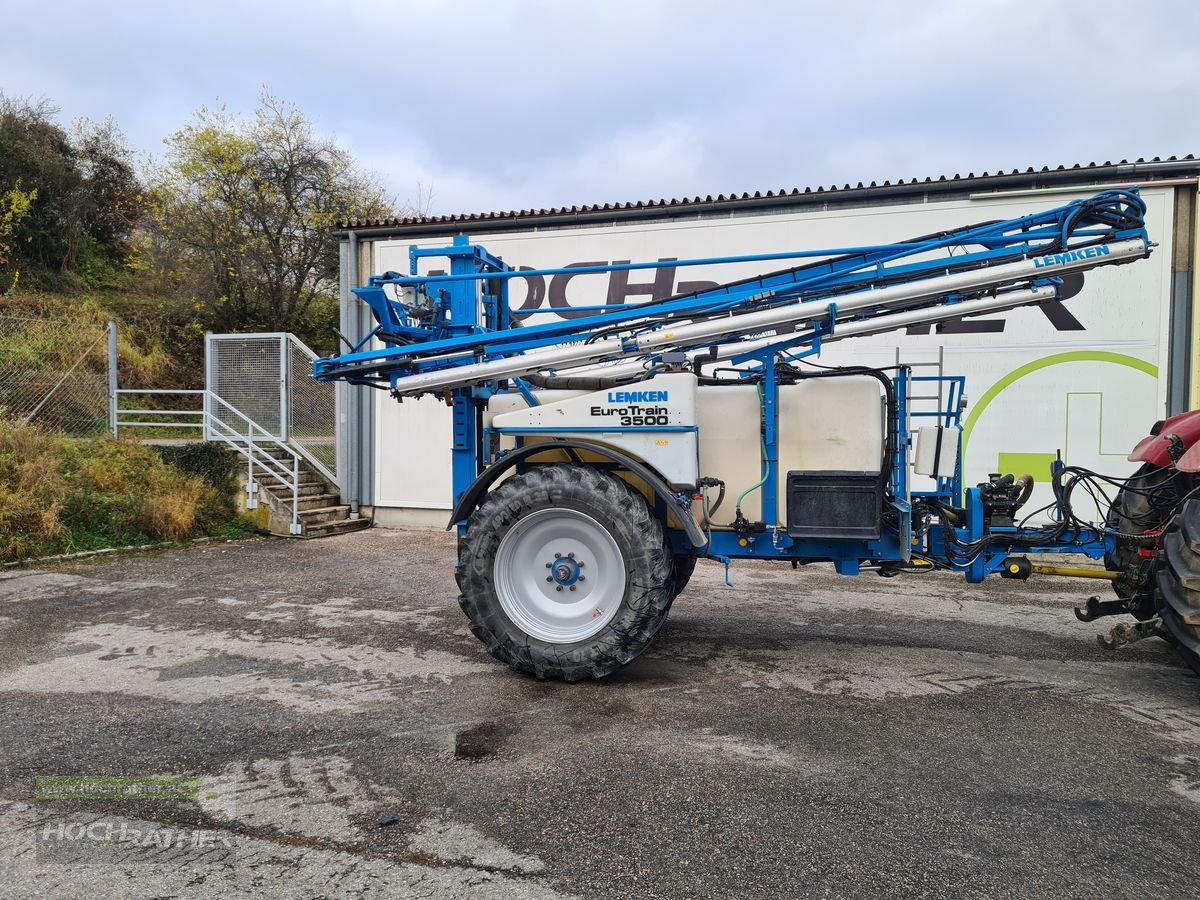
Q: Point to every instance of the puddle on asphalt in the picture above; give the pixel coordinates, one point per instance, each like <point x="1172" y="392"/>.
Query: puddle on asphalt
<point x="480" y="742"/>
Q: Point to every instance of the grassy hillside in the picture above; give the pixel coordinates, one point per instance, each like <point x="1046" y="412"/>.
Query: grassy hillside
<point x="61" y="495"/>
<point x="157" y="346"/>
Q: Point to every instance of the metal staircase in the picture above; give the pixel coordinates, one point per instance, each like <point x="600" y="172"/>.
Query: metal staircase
<point x="302" y="494"/>
<point x="262" y="401"/>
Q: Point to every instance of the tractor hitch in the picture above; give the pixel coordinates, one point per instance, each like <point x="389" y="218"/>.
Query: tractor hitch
<point x="1123" y="635"/>
<point x="1098" y="609"/>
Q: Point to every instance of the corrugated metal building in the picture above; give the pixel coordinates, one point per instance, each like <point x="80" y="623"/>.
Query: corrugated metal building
<point x="1087" y="377"/>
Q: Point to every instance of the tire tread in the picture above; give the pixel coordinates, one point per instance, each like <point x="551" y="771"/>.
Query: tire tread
<point x="1177" y="578"/>
<point x="650" y="572"/>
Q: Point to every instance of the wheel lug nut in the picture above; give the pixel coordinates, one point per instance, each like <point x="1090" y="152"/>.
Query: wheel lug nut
<point x="570" y="556"/>
<point x="549" y="578"/>
<point x="579" y="562"/>
<point x="572" y="587"/>
<point x="547" y="565"/>
<point x="559" y="588"/>
<point x="558" y="556"/>
<point x="581" y="578"/>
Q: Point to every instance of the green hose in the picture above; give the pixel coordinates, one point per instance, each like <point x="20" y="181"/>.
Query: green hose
<point x="760" y="483"/>
<point x="766" y="467"/>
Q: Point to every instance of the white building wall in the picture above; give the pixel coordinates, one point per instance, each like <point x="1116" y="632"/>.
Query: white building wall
<point x="1034" y="388"/>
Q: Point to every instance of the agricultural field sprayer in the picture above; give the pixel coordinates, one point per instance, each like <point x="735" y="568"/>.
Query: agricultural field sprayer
<point x="597" y="457"/>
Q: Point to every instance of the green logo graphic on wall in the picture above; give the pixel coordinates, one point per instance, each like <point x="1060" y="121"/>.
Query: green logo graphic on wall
<point x="1038" y="464"/>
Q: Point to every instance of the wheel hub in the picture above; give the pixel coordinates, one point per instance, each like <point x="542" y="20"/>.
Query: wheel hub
<point x="565" y="570"/>
<point x="559" y="575"/>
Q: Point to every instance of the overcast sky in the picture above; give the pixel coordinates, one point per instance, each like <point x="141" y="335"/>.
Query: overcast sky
<point x="530" y="103"/>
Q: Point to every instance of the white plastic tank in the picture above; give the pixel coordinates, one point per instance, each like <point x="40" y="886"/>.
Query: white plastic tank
<point x="825" y="424"/>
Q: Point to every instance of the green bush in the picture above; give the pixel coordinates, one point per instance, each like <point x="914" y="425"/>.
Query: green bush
<point x="217" y="464"/>
<point x="60" y="495"/>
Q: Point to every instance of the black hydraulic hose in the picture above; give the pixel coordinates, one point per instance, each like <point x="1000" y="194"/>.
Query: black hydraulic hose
<point x="720" y="497"/>
<point x="714" y="381"/>
<point x="578" y="382"/>
<point x="1026" y="482"/>
<point x="889" y="392"/>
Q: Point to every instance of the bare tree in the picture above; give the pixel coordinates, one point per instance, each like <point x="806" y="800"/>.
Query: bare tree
<point x="246" y="209"/>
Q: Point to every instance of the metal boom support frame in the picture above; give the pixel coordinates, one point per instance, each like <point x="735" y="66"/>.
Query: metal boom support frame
<point x="455" y="334"/>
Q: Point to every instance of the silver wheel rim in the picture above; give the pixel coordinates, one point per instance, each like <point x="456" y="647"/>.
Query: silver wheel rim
<point x="559" y="575"/>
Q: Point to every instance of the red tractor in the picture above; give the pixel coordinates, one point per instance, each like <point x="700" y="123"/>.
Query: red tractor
<point x="1156" y="515"/>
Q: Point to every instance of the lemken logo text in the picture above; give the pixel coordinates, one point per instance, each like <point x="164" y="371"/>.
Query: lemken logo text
<point x="637" y="396"/>
<point x="1057" y="259"/>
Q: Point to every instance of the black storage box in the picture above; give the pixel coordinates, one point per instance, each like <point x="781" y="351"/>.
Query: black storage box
<point x="834" y="504"/>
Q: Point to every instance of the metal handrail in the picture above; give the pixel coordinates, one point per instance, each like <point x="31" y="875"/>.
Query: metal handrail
<point x="316" y="463"/>
<point x="248" y="444"/>
<point x="266" y="461"/>
<point x="119" y="423"/>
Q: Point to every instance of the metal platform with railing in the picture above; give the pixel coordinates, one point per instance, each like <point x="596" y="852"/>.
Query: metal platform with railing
<point x="261" y="400"/>
<point x="935" y="399"/>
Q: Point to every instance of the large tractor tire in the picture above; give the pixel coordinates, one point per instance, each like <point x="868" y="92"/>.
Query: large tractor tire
<point x="1178" y="581"/>
<point x="1144" y="504"/>
<point x="684" y="567"/>
<point x="564" y="573"/>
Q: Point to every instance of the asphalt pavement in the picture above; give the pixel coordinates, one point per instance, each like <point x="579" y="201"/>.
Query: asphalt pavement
<point x="797" y="735"/>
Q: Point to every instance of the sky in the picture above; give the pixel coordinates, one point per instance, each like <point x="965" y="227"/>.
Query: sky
<point x="514" y="104"/>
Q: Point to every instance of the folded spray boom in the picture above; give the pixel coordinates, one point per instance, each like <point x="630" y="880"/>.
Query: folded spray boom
<point x="456" y="330"/>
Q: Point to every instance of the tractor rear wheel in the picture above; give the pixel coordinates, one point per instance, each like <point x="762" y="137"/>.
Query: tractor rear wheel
<point x="564" y="573"/>
<point x="1144" y="503"/>
<point x="1178" y="581"/>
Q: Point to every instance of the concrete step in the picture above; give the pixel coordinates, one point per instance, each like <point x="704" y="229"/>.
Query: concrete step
<point x="340" y="526"/>
<point x="318" y="501"/>
<point x="306" y="488"/>
<point x="305" y="469"/>
<point x="283" y="456"/>
<point x="278" y="452"/>
<point x="281" y="450"/>
<point x="322" y="514"/>
<point x="305" y="478"/>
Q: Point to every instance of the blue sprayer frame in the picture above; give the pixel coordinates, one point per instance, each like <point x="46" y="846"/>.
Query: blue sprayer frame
<point x="465" y="318"/>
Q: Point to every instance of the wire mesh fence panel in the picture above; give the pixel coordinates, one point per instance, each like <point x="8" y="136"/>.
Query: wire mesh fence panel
<point x="54" y="374"/>
<point x="268" y="378"/>
<point x="311" y="405"/>
<point x="247" y="372"/>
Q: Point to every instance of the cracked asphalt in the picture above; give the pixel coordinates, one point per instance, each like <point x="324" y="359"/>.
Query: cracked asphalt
<point x="799" y="735"/>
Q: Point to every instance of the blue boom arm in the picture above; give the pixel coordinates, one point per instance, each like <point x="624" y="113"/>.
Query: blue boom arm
<point x="456" y="333"/>
<point x="432" y="323"/>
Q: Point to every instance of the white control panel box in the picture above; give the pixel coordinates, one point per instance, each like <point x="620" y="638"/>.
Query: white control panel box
<point x="936" y="451"/>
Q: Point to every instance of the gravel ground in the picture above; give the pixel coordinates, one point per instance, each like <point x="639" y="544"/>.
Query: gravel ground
<point x="801" y="735"/>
